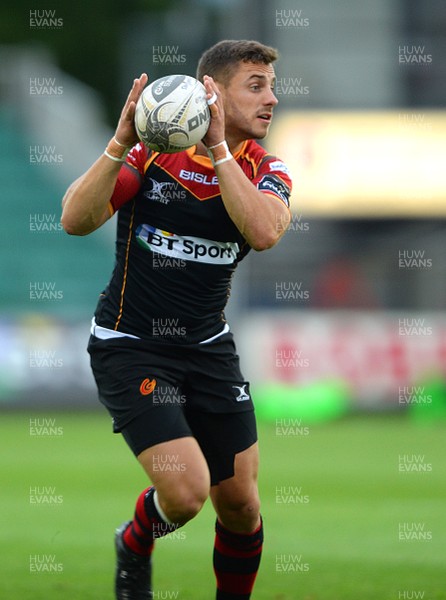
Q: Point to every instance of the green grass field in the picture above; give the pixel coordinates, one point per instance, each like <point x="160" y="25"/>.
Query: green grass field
<point x="334" y="504"/>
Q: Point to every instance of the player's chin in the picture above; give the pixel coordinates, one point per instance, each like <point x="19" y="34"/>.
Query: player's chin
<point x="262" y="128"/>
<point x="260" y="133"/>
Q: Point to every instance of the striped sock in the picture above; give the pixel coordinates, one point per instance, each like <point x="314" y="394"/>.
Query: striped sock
<point x="149" y="523"/>
<point x="236" y="562"/>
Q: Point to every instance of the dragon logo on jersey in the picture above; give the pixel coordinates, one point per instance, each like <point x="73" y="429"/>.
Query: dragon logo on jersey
<point x="186" y="247"/>
<point x="147" y="386"/>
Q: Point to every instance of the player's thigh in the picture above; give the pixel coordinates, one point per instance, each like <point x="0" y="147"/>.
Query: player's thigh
<point x="236" y="499"/>
<point x="179" y="472"/>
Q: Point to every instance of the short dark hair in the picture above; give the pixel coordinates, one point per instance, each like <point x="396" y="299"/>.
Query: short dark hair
<point x="218" y="60"/>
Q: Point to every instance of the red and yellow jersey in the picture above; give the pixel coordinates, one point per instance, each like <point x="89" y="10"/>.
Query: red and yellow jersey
<point x="176" y="246"/>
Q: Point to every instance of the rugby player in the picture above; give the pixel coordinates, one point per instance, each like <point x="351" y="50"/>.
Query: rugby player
<point x="162" y="354"/>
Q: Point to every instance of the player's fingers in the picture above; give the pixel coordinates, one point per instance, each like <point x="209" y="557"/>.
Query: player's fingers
<point x="130" y="111"/>
<point x="211" y="88"/>
<point x="213" y="109"/>
<point x="213" y="96"/>
<point x="137" y="89"/>
<point x="212" y="99"/>
<point x="142" y="82"/>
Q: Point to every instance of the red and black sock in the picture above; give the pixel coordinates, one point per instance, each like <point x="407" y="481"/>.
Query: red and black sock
<point x="236" y="562"/>
<point x="147" y="525"/>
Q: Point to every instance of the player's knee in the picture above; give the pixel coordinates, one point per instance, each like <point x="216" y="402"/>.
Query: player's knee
<point x="242" y="502"/>
<point x="248" y="510"/>
<point x="241" y="514"/>
<point x="183" y="502"/>
<point x="185" y="506"/>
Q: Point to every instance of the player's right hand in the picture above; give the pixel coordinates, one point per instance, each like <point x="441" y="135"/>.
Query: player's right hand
<point x="125" y="131"/>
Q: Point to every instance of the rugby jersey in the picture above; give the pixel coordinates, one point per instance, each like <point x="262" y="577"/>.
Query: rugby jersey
<point x="176" y="246"/>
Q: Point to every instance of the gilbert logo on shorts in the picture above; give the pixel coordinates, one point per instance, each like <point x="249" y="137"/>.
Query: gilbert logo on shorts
<point x="242" y="394"/>
<point x="147" y="386"/>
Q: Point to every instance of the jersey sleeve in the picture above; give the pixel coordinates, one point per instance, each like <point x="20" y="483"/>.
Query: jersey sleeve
<point x="130" y="177"/>
<point x="274" y="178"/>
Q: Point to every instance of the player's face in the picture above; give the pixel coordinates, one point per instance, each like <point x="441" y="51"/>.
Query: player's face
<point x="249" y="101"/>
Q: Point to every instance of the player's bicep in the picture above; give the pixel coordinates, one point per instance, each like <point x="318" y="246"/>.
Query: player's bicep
<point x="281" y="212"/>
<point x="274" y="181"/>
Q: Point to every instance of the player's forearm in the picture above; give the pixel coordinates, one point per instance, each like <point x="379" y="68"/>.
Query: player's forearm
<point x="261" y="220"/>
<point x="85" y="204"/>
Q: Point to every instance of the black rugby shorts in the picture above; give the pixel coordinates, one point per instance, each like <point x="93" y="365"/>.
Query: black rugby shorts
<point x="157" y="392"/>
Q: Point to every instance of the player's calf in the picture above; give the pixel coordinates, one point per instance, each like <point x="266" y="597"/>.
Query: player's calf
<point x="236" y="561"/>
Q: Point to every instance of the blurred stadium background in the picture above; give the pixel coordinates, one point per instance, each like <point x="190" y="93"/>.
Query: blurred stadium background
<point x="346" y="315"/>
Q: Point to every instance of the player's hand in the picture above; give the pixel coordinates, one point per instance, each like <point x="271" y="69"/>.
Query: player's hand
<point x="216" y="132"/>
<point x="125" y="131"/>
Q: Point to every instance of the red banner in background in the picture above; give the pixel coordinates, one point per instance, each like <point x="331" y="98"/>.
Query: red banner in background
<point x="383" y="357"/>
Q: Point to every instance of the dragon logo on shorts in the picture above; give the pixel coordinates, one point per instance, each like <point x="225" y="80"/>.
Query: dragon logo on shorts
<point x="243" y="395"/>
<point x="147" y="386"/>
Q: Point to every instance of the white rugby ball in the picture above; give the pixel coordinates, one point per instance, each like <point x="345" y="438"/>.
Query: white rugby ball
<point x="172" y="114"/>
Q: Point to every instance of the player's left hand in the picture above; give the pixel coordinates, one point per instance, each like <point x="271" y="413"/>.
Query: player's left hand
<point x="216" y="132"/>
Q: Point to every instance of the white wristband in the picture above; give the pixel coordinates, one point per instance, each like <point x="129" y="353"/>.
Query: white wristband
<point x="108" y="155"/>
<point x="223" y="143"/>
<point x="119" y="143"/>
<point x="116" y="151"/>
<point x="222" y="155"/>
<point x="223" y="160"/>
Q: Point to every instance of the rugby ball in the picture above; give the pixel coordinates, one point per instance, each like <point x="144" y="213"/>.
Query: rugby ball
<point x="172" y="114"/>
